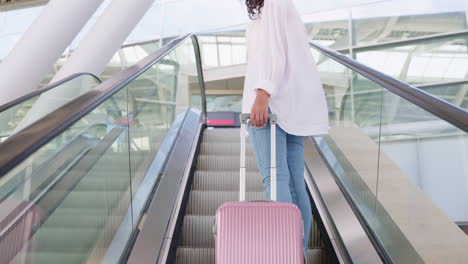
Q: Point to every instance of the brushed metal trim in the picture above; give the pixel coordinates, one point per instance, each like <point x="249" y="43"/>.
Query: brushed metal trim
<point x="325" y="217"/>
<point x="148" y="244"/>
<point x="165" y="249"/>
<point x="349" y="232"/>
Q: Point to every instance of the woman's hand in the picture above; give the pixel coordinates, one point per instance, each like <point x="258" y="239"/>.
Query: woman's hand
<point x="259" y="111"/>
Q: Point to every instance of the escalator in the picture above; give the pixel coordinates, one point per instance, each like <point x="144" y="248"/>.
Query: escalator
<point x="146" y="187"/>
<point x="215" y="181"/>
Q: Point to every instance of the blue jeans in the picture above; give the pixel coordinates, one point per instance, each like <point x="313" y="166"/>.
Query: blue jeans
<point x="289" y="169"/>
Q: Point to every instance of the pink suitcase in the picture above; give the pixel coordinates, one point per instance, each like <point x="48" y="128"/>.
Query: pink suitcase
<point x="258" y="232"/>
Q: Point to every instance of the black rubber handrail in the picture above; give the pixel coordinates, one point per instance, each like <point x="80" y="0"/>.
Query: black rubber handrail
<point x="28" y="96"/>
<point x="21" y="145"/>
<point x="451" y="113"/>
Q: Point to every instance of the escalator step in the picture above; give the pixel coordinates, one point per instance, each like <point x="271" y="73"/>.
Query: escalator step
<point x="186" y="255"/>
<point x="197" y="231"/>
<point x="225" y="163"/>
<point x="225" y="181"/>
<point x="316" y="256"/>
<point x="227" y="149"/>
<point x="222" y="135"/>
<point x="195" y="256"/>
<point x="206" y="203"/>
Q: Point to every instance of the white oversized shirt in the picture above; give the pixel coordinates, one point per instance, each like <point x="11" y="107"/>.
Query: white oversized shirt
<point x="279" y="61"/>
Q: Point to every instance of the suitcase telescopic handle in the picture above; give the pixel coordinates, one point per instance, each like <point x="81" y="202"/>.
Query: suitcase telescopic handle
<point x="242" y="184"/>
<point x="246" y="116"/>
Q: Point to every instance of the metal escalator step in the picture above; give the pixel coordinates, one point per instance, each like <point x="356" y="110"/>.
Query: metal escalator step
<point x="197" y="232"/>
<point x="206" y="202"/>
<point x="195" y="256"/>
<point x="221" y="135"/>
<point x="316" y="256"/>
<point x="225" y="181"/>
<point x="225" y="163"/>
<point x="188" y="255"/>
<point x="52" y="239"/>
<point x="227" y="148"/>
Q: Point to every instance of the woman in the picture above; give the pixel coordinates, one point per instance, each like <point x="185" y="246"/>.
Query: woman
<point x="282" y="78"/>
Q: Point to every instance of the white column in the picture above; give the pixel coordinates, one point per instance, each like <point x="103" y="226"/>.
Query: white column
<point x="92" y="54"/>
<point x="105" y="38"/>
<point x="41" y="45"/>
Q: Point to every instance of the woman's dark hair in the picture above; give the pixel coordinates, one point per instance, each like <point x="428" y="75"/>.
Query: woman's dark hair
<point x="253" y="7"/>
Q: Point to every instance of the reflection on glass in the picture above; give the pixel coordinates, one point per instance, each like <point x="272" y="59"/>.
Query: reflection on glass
<point x="156" y="97"/>
<point x="18" y="117"/>
<point x="128" y="56"/>
<point x="74" y="186"/>
<point x="219" y="103"/>
<point x="428" y="61"/>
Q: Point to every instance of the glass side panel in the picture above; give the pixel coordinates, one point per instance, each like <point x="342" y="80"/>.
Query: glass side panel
<point x="424" y="62"/>
<point x="425" y="160"/>
<point x="395" y="159"/>
<point x="68" y="205"/>
<point x="157" y="98"/>
<point x="127" y="56"/>
<point x="20" y="116"/>
<point x="79" y="198"/>
<point x="352" y="149"/>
